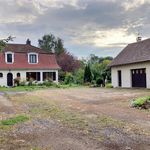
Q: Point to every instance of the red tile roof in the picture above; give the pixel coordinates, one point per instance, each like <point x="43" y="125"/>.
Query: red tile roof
<point x="45" y="60"/>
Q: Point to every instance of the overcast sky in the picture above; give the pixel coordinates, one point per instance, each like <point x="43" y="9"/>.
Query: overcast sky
<point x="101" y="27"/>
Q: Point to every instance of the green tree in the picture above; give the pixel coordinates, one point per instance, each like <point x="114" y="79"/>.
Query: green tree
<point x="47" y="42"/>
<point x="50" y="44"/>
<point x="59" y="46"/>
<point x="79" y="76"/>
<point x="87" y="74"/>
<point x="3" y="42"/>
<point x="69" y="78"/>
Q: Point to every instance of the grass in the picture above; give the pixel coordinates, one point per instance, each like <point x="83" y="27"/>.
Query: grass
<point x="21" y="88"/>
<point x="108" y="85"/>
<point x="14" y="120"/>
<point x="36" y="87"/>
<point x="106" y="121"/>
<point x="55" y="112"/>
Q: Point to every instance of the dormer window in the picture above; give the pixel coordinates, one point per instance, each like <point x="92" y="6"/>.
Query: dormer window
<point x="32" y="58"/>
<point x="9" y="57"/>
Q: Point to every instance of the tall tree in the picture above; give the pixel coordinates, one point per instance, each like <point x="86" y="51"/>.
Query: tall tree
<point x="50" y="44"/>
<point x="68" y="62"/>
<point x="47" y="42"/>
<point x="87" y="74"/>
<point x="59" y="46"/>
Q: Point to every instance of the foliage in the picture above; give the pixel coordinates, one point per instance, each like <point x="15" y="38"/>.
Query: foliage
<point x="50" y="44"/>
<point x="30" y="83"/>
<point x="108" y="85"/>
<point x="4" y="41"/>
<point x="79" y="76"/>
<point x="48" y="83"/>
<point x="143" y="102"/>
<point x="87" y="74"/>
<point x="100" y="81"/>
<point x="17" y="81"/>
<point x="15" y="120"/>
<point x="59" y="46"/>
<point x="61" y="75"/>
<point x="47" y="42"/>
<point x="69" y="78"/>
<point x="68" y="62"/>
<point x="23" y="82"/>
<point x="99" y="68"/>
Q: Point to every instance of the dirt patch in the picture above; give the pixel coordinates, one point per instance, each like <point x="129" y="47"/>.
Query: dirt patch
<point x="84" y="118"/>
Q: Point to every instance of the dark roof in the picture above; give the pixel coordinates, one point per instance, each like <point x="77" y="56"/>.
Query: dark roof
<point x="133" y="53"/>
<point x="23" y="48"/>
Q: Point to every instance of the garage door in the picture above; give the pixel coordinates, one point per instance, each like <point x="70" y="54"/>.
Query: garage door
<point x="139" y="77"/>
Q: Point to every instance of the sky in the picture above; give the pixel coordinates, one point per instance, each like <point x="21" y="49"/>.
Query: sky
<point x="100" y="27"/>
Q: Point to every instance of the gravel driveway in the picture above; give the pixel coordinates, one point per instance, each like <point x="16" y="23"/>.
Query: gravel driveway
<point x="82" y="119"/>
<point x="112" y="102"/>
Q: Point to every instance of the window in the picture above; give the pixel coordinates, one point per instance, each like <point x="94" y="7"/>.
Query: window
<point x="1" y="75"/>
<point x="18" y="75"/>
<point x="33" y="58"/>
<point x="9" y="57"/>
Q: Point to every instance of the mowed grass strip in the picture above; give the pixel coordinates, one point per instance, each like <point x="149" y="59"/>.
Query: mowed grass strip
<point x="14" y="120"/>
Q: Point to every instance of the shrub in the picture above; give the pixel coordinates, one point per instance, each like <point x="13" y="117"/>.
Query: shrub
<point x="108" y="85"/>
<point x="23" y="83"/>
<point x="48" y="82"/>
<point x="142" y="102"/>
<point x="69" y="78"/>
<point x="17" y="81"/>
<point x="30" y="82"/>
<point x="100" y="82"/>
<point x="79" y="76"/>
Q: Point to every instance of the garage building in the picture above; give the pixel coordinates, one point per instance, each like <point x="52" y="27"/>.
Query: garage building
<point x="131" y="68"/>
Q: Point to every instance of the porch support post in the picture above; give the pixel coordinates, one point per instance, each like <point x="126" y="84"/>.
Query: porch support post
<point x="56" y="76"/>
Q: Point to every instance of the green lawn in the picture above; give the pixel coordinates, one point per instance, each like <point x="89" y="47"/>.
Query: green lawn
<point x="32" y="88"/>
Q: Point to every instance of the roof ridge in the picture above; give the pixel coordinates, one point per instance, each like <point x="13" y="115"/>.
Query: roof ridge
<point x="139" y="41"/>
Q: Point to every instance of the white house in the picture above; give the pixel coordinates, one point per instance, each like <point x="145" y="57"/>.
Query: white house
<point x="25" y="61"/>
<point x="131" y="68"/>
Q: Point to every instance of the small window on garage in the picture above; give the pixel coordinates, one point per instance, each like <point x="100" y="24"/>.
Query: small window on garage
<point x="1" y="75"/>
<point x="133" y="72"/>
<point x="141" y="71"/>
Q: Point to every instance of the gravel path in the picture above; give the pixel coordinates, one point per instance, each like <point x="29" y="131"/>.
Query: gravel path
<point x="5" y="102"/>
<point x="6" y="106"/>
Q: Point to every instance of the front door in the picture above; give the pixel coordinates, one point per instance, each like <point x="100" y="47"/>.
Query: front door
<point x="9" y="79"/>
<point x="139" y="77"/>
<point x="119" y="78"/>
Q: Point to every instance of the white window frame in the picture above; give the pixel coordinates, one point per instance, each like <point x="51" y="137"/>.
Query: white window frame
<point x="6" y="53"/>
<point x="36" y="58"/>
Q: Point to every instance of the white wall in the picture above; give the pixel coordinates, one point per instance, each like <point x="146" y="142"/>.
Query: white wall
<point x="126" y="74"/>
<point x="3" y="80"/>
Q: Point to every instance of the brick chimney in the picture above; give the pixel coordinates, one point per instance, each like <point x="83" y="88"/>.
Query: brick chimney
<point x="28" y="42"/>
<point x="139" y="38"/>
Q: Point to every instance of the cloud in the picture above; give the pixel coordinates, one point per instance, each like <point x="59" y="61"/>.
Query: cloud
<point x="130" y="5"/>
<point x="85" y="24"/>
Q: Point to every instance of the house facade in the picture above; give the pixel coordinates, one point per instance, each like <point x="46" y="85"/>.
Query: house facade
<point x="131" y="68"/>
<point x="26" y="62"/>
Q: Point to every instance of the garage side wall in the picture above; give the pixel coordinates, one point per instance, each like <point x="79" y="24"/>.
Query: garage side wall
<point x="126" y="74"/>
